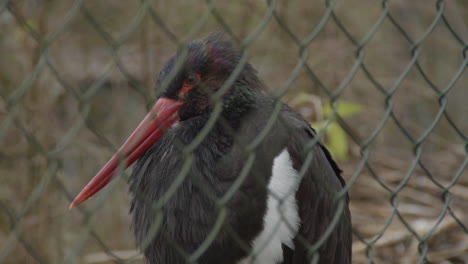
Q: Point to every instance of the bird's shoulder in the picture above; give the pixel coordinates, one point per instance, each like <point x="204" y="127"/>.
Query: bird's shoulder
<point x="303" y="134"/>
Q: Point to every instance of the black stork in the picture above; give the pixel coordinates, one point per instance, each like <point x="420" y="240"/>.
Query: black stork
<point x="278" y="210"/>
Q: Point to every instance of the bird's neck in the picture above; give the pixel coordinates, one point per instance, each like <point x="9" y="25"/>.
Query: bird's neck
<point x="238" y="103"/>
<point x="242" y="97"/>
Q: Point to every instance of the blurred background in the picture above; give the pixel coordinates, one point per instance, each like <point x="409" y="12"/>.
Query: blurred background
<point x="77" y="76"/>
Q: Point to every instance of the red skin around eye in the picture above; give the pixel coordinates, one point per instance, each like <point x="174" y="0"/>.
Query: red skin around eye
<point x="187" y="87"/>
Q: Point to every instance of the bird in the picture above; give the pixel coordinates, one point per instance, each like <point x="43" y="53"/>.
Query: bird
<point x="226" y="172"/>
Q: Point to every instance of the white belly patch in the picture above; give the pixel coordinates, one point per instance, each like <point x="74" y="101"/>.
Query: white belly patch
<point x="281" y="221"/>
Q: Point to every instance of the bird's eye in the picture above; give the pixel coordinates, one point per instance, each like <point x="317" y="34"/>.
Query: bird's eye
<point x="192" y="79"/>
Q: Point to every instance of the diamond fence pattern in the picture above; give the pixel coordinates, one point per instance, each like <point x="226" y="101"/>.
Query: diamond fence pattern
<point x="414" y="212"/>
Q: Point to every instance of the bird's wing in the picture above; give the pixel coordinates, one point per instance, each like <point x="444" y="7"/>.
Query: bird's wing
<point x="316" y="198"/>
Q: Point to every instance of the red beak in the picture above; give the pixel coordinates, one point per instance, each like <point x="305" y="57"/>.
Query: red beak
<point x="156" y="122"/>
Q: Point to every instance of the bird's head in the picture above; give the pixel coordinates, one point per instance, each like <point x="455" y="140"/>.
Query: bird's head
<point x="198" y="72"/>
<point x="187" y="83"/>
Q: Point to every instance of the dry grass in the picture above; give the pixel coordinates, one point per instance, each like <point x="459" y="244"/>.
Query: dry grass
<point x="46" y="113"/>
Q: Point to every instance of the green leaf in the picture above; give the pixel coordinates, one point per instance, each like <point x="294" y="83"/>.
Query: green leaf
<point x="318" y="126"/>
<point x="32" y="23"/>
<point x="343" y="108"/>
<point x="337" y="142"/>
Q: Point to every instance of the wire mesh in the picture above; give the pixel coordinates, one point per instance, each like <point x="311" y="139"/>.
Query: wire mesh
<point x="405" y="168"/>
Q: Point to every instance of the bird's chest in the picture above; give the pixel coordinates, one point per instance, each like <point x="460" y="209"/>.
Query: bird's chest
<point x="212" y="194"/>
<point x="264" y="215"/>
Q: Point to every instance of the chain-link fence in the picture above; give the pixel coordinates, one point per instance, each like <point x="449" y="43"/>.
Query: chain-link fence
<point x="384" y="83"/>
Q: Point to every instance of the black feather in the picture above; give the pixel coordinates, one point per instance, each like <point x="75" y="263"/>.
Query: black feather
<point x="177" y="220"/>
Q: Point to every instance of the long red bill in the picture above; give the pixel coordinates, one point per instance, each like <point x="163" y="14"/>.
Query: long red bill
<point x="158" y="120"/>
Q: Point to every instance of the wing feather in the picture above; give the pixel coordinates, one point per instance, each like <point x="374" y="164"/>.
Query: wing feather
<point x="316" y="197"/>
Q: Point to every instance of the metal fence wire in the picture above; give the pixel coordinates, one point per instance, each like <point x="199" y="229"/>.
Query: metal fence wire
<point x="383" y="82"/>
